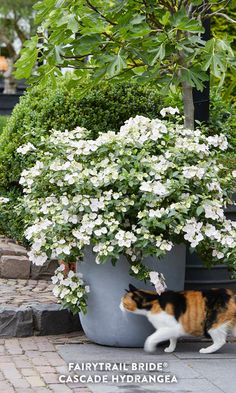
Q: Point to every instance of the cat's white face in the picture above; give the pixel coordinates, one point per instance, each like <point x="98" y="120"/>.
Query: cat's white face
<point x="137" y="301"/>
<point x="127" y="305"/>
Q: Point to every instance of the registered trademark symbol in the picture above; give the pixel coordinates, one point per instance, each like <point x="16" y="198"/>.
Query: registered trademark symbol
<point x="165" y="364"/>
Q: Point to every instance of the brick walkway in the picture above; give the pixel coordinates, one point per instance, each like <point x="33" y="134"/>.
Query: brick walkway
<point x="32" y="365"/>
<point x="17" y="292"/>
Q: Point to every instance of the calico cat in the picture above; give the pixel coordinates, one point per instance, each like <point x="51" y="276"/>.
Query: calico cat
<point x="177" y="314"/>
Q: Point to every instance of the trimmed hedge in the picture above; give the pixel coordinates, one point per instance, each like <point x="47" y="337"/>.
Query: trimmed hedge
<point x="3" y="121"/>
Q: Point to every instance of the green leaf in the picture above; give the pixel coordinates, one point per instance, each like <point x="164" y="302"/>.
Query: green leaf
<point x="116" y="66"/>
<point x="137" y="20"/>
<point x="199" y="210"/>
<point x="72" y="23"/>
<point x="216" y="52"/>
<point x="165" y="18"/>
<point x="160" y="54"/>
<point x="28" y="58"/>
<point x="195" y="77"/>
<point x="196" y="2"/>
<point x="43" y="10"/>
<point x="86" y="44"/>
<point x="182" y="22"/>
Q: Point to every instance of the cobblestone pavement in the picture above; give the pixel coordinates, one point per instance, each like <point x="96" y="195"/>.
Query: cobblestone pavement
<point x="17" y="292"/>
<point x="33" y="365"/>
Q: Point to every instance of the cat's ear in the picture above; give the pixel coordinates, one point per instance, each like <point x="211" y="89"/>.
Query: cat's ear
<point x="132" y="288"/>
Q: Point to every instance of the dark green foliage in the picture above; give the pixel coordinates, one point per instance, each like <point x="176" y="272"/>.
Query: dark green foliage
<point x="3" y="121"/>
<point x="223" y="118"/>
<point x="221" y="27"/>
<point x="12" y="216"/>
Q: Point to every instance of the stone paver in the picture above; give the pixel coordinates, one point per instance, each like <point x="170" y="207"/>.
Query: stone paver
<point x="195" y="372"/>
<point x="27" y="366"/>
<point x="14" y="262"/>
<point x="22" y="292"/>
<point x="22" y="371"/>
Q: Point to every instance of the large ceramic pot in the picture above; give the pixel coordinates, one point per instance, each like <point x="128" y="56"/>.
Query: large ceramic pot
<point x="104" y="322"/>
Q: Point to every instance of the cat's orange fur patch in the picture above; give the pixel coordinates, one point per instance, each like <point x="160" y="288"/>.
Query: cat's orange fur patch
<point x="129" y="303"/>
<point x="169" y="309"/>
<point x="229" y="315"/>
<point x="156" y="308"/>
<point x="192" y="319"/>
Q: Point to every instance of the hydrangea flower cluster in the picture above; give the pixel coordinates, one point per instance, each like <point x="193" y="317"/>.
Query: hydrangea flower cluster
<point x="137" y="192"/>
<point x="158" y="280"/>
<point x="70" y="290"/>
<point x="4" y="200"/>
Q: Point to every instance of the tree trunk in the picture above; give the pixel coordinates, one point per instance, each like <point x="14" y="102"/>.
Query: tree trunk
<point x="187" y="94"/>
<point x="9" y="80"/>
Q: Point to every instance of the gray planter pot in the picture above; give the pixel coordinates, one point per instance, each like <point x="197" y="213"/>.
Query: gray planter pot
<point x="104" y="322"/>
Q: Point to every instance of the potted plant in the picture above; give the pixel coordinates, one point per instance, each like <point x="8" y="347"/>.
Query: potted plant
<point x="128" y="198"/>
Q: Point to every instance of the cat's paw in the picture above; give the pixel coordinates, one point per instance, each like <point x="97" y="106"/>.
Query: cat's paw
<point x="149" y="347"/>
<point x="204" y="350"/>
<point x="169" y="350"/>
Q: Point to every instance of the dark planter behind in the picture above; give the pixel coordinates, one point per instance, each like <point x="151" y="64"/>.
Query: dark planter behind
<point x="200" y="277"/>
<point x="7" y="102"/>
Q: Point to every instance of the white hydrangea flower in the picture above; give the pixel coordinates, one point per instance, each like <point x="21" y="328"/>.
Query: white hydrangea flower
<point x="193" y="171"/>
<point x="24" y="149"/>
<point x="213" y="210"/>
<point x="4" y="200"/>
<point x="218" y="141"/>
<point x="170" y="110"/>
<point x="135" y="269"/>
<point x="192" y="230"/>
<point x="159" y="281"/>
<point x="212" y="232"/>
<point x="217" y="254"/>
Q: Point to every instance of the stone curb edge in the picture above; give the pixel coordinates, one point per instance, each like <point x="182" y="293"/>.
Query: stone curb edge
<point x="36" y="320"/>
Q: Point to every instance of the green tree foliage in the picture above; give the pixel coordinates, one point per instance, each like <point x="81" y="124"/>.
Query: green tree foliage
<point x="159" y="42"/>
<point x="221" y="27"/>
<point x="16" y="23"/>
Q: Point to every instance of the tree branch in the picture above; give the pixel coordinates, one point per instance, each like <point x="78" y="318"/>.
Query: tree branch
<point x="167" y="5"/>
<point x="223" y="16"/>
<point x="99" y="13"/>
<point x="150" y="18"/>
<point x="20" y="33"/>
<point x="10" y="47"/>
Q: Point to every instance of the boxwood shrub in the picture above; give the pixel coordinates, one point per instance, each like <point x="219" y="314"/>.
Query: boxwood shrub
<point x="3" y="121"/>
